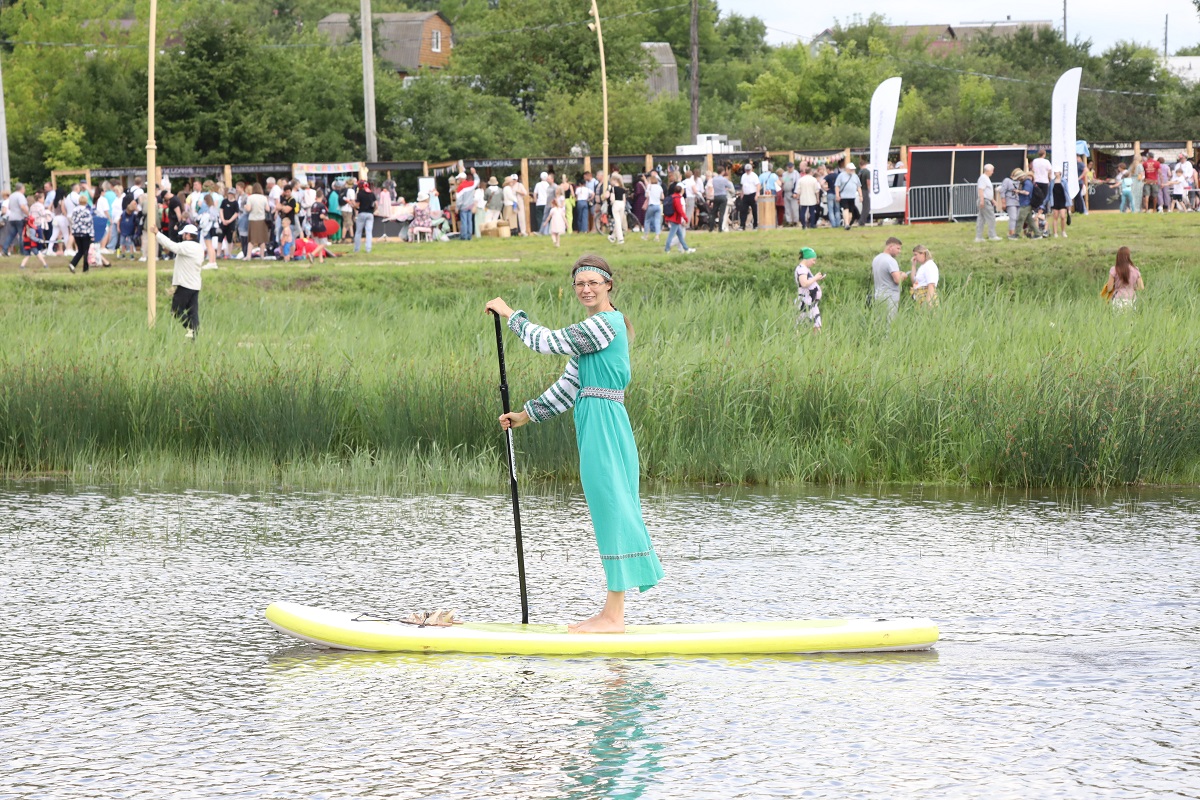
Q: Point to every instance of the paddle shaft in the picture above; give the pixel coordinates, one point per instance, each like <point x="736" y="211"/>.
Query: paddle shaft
<point x="512" y="471"/>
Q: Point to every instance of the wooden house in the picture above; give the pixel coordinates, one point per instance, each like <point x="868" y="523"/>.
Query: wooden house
<point x="405" y="41"/>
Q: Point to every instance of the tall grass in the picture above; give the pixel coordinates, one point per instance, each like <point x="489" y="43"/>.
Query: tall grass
<point x="377" y="379"/>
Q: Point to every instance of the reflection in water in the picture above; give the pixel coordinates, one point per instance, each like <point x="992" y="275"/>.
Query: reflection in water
<point x="141" y="664"/>
<point x="623" y="759"/>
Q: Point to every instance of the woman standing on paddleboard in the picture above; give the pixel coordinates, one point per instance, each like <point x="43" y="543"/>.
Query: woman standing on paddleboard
<point x="594" y="384"/>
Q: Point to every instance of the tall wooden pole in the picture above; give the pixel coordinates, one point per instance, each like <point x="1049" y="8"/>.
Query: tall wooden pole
<point x="5" y="177"/>
<point x="148" y="245"/>
<point x="695" y="70"/>
<point x="603" y="80"/>
<point x="366" y="24"/>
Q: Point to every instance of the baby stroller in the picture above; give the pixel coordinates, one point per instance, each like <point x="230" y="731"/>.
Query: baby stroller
<point x="703" y="212"/>
<point x="605" y="224"/>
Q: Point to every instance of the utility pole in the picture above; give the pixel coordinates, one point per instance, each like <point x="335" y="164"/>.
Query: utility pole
<point x="695" y="70"/>
<point x="1166" y="19"/>
<point x="5" y="177"/>
<point x="151" y="247"/>
<point x="366" y="26"/>
<point x="1064" y="20"/>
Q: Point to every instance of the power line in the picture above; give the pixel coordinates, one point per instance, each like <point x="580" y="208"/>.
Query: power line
<point x="468" y="35"/>
<point x="1010" y="79"/>
<point x="556" y="25"/>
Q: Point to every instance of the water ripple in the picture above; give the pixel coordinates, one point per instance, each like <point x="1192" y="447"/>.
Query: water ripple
<point x="137" y="663"/>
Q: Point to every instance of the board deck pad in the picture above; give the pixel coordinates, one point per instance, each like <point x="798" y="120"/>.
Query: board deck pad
<point x="357" y="631"/>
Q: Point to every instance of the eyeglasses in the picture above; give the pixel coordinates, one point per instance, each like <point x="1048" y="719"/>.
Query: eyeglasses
<point x="589" y="284"/>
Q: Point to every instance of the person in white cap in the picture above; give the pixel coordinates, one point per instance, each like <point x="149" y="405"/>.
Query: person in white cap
<point x="541" y="193"/>
<point x="464" y="196"/>
<point x="189" y="253"/>
<point x="749" y="198"/>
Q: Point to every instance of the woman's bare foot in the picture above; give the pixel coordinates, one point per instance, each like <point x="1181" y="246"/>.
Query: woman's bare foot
<point x="598" y="624"/>
<point x="611" y="618"/>
<point x="571" y="628"/>
<point x="601" y="623"/>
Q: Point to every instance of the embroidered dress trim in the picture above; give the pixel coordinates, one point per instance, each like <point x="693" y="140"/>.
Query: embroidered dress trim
<point x="626" y="555"/>
<point x="616" y="395"/>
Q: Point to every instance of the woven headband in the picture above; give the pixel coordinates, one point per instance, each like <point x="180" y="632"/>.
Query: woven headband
<point x="587" y="268"/>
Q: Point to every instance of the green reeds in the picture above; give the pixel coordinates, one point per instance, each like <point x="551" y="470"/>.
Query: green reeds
<point x="383" y="379"/>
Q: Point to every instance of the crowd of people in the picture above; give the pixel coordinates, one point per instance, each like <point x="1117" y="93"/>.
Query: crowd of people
<point x="676" y="198"/>
<point x="281" y="220"/>
<point x="1038" y="206"/>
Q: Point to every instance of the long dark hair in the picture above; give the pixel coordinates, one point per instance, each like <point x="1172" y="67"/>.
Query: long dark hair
<point x="588" y="260"/>
<point x="1124" y="262"/>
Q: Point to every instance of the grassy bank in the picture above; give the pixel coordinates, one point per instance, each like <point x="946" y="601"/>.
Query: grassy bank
<point x="374" y="374"/>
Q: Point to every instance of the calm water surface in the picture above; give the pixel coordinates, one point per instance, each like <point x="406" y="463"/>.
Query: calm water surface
<point x="137" y="664"/>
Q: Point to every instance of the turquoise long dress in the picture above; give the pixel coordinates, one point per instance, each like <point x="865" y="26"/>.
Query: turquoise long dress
<point x="594" y="384"/>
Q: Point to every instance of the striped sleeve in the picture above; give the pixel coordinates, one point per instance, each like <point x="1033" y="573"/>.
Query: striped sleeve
<point x="558" y="398"/>
<point x="590" y="336"/>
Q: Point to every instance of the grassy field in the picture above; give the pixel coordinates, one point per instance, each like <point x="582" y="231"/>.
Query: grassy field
<point x="378" y="373"/>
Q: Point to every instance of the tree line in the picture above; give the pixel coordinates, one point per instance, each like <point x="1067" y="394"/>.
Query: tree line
<point x="256" y="82"/>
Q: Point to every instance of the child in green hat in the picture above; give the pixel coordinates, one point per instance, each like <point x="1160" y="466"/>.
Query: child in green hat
<point x="808" y="289"/>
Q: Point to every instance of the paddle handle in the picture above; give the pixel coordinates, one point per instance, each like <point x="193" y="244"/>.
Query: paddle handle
<point x="512" y="471"/>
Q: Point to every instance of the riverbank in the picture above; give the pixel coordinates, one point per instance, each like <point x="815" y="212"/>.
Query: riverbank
<point x="379" y="371"/>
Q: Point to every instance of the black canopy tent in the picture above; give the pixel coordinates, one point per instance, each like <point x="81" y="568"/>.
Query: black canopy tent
<point x="942" y="180"/>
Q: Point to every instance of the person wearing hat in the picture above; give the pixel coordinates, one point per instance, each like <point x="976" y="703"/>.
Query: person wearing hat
<point x="493" y="201"/>
<point x="509" y="204"/>
<point x="422" y="221"/>
<point x="1012" y="200"/>
<point x="364" y="219"/>
<point x="848" y="190"/>
<point x="464" y="198"/>
<point x="749" y="196"/>
<point x="541" y="194"/>
<point x="1026" y="226"/>
<point x="185" y="279"/>
<point x="808" y="289"/>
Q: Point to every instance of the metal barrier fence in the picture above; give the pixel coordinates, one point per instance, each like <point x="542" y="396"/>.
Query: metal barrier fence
<point x="949" y="203"/>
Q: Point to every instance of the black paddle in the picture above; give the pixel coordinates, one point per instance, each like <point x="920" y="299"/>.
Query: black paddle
<point x="512" y="471"/>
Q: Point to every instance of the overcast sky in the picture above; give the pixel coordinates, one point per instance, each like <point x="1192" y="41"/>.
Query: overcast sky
<point x="1102" y="21"/>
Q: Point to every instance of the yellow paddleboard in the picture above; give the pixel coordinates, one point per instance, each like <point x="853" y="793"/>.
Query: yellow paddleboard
<point x="355" y="631"/>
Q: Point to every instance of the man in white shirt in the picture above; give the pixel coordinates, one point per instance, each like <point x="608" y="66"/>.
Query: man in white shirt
<point x="1182" y="163"/>
<point x="689" y="194"/>
<point x="541" y="191"/>
<point x="1041" y="168"/>
<point x="185" y="303"/>
<point x="18" y="210"/>
<point x="749" y="197"/>
<point x="985" y="196"/>
<point x="808" y="197"/>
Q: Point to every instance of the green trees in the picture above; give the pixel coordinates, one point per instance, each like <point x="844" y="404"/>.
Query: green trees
<point x="256" y="82"/>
